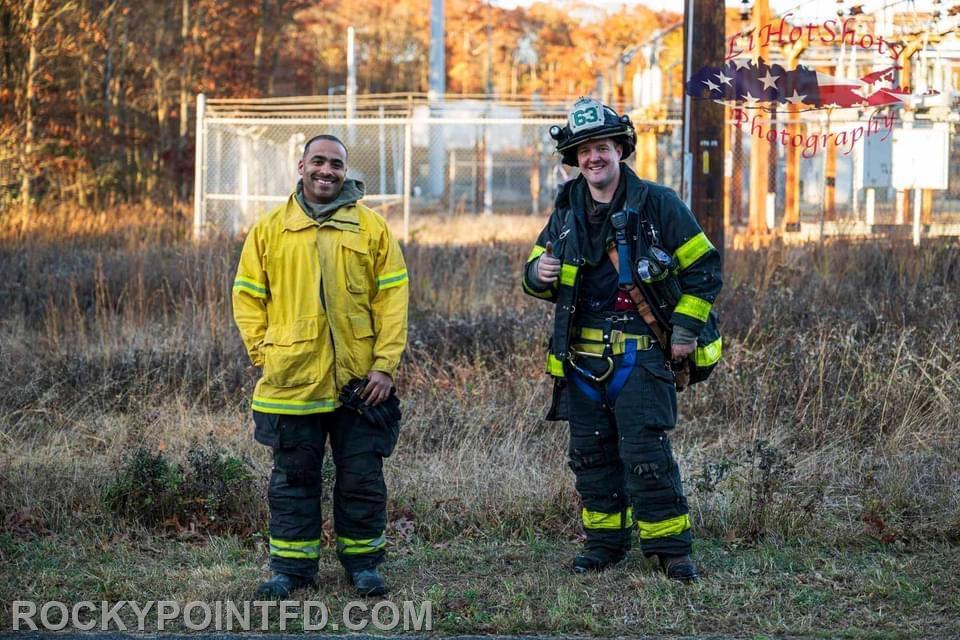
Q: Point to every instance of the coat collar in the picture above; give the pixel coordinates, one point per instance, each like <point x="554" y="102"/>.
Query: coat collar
<point x="346" y="218"/>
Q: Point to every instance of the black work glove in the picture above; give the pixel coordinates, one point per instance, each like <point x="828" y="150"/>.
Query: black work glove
<point x="385" y="415"/>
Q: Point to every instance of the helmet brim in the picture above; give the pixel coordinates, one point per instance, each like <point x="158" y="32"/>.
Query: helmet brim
<point x="568" y="152"/>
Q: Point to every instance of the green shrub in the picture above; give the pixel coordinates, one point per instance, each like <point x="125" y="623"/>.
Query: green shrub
<point x="213" y="492"/>
<point x="145" y="490"/>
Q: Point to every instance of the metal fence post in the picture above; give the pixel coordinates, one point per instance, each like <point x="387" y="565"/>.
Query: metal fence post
<point x="407" y="169"/>
<point x="917" y="206"/>
<point x="198" y="186"/>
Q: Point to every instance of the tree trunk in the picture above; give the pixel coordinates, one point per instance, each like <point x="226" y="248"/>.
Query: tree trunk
<point x="185" y="80"/>
<point x="258" y="45"/>
<point x="26" y="153"/>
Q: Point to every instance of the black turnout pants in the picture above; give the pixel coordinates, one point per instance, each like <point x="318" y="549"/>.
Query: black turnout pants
<point x="621" y="456"/>
<point x="359" y="492"/>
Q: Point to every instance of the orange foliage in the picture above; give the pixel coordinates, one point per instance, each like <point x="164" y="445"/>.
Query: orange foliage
<point x="115" y="81"/>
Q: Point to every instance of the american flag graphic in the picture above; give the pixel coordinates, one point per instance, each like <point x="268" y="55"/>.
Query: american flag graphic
<point x="743" y="82"/>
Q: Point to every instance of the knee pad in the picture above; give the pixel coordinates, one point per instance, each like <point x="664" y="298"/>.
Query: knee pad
<point x="648" y="455"/>
<point x="300" y="465"/>
<point x="591" y="447"/>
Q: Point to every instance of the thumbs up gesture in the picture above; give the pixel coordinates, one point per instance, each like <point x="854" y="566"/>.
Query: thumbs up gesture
<point x="548" y="266"/>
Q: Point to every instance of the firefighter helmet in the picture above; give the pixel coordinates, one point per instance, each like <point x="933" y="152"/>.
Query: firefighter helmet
<point x="591" y="120"/>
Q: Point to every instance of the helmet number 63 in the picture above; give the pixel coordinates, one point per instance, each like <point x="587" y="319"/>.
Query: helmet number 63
<point x="584" y="117"/>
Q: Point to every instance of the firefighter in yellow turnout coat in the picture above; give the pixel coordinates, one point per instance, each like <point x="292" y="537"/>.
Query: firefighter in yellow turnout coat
<point x="320" y="299"/>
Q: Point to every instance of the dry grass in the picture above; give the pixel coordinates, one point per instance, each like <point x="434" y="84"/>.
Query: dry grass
<point x="435" y="230"/>
<point x="832" y="422"/>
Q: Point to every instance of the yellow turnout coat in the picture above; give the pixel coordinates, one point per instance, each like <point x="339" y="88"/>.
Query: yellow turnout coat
<point x="318" y="304"/>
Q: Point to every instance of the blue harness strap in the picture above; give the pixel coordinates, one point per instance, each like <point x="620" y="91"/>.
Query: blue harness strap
<point x="584" y="385"/>
<point x="613" y="389"/>
<point x="623" y="371"/>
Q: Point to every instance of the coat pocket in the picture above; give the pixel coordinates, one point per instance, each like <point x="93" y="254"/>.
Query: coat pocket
<point x="356" y="260"/>
<point x="290" y="355"/>
<point x="361" y="324"/>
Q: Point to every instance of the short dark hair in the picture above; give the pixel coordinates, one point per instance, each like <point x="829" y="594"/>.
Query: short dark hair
<point x="325" y="136"/>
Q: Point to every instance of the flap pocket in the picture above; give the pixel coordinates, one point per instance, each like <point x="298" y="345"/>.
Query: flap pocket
<point x="362" y="326"/>
<point x="287" y="334"/>
<point x="356" y="242"/>
<point x="658" y="369"/>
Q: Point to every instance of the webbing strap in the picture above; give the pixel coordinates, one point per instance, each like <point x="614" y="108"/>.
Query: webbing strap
<point x="585" y="387"/>
<point x="623" y="371"/>
<point x="615" y="386"/>
<point x="599" y="335"/>
<point x="616" y="348"/>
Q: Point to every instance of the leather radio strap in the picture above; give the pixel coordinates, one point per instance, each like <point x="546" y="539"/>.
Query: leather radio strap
<point x="643" y="307"/>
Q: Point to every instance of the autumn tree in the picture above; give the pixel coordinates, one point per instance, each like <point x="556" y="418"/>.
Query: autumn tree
<point x="97" y="96"/>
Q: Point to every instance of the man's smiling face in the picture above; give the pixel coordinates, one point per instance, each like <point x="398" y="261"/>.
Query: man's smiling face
<point x="323" y="169"/>
<point x="599" y="162"/>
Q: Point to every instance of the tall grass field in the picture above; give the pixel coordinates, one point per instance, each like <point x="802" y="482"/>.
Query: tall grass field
<point x="820" y="459"/>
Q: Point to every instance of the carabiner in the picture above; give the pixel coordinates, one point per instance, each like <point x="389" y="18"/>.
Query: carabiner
<point x="587" y="374"/>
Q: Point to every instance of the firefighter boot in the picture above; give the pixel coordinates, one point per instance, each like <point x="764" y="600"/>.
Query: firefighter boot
<point x="680" y="567"/>
<point x="281" y="585"/>
<point x="368" y="582"/>
<point x="598" y="559"/>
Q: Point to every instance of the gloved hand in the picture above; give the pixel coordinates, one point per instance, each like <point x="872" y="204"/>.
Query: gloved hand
<point x="386" y="414"/>
<point x="548" y="266"/>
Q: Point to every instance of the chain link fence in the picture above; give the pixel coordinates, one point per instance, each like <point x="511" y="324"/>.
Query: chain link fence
<point x="468" y="157"/>
<point x="475" y="157"/>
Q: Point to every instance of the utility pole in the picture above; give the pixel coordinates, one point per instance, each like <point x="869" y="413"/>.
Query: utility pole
<point x="791" y="215"/>
<point x="703" y="120"/>
<point x="486" y="177"/>
<point x="759" y="157"/>
<point x="351" y="84"/>
<point x="437" y="89"/>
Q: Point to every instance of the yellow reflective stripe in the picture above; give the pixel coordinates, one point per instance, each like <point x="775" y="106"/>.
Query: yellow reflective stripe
<point x="292" y="407"/>
<point x="692" y="250"/>
<point x="600" y="520"/>
<point x="568" y="274"/>
<point x="392" y="279"/>
<point x="708" y="354"/>
<point x="295" y="548"/>
<point x="616" y="349"/>
<point x="694" y="307"/>
<point x="588" y="333"/>
<point x="352" y="547"/>
<point x="546" y="295"/>
<point x="254" y="288"/>
<point x="554" y="366"/>
<point x="537" y="250"/>
<point x="670" y="527"/>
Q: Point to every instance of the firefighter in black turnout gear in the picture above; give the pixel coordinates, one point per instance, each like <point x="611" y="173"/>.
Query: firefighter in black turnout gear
<point x="633" y="279"/>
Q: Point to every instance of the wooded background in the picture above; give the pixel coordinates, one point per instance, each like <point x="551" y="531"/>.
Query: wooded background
<point x="97" y="96"/>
